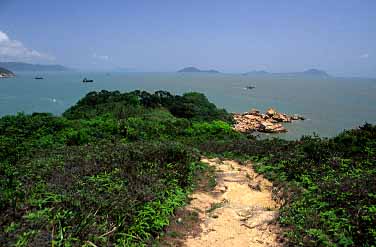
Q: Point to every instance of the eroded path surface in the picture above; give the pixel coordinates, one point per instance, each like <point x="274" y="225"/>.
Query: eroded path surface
<point x="239" y="211"/>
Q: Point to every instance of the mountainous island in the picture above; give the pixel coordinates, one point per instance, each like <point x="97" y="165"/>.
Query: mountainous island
<point x="4" y="73"/>
<point x="18" y="66"/>
<point x="309" y="73"/>
<point x="196" y="70"/>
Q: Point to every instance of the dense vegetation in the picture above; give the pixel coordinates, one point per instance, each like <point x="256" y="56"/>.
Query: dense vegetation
<point x="109" y="172"/>
<point x="192" y="106"/>
<point x="112" y="169"/>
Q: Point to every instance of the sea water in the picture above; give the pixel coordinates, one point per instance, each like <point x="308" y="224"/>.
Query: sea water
<point x="329" y="105"/>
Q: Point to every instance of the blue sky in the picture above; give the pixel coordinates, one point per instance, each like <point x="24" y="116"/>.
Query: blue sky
<point x="231" y="36"/>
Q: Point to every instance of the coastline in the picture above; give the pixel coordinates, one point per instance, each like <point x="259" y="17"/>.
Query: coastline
<point x="7" y="75"/>
<point x="328" y="112"/>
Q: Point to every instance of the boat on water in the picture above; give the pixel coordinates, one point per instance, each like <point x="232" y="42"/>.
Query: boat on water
<point x="38" y="78"/>
<point x="85" y="80"/>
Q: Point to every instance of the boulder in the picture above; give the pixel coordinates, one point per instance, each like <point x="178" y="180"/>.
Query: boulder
<point x="253" y="118"/>
<point x="297" y="117"/>
<point x="272" y="120"/>
<point x="254" y="111"/>
<point x="270" y="112"/>
<point x="280" y="117"/>
<point x="274" y="128"/>
<point x="266" y="124"/>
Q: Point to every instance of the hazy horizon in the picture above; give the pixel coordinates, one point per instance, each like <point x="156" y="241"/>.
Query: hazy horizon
<point x="338" y="37"/>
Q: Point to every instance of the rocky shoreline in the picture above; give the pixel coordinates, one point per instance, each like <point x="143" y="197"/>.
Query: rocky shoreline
<point x="268" y="122"/>
<point x="4" y="73"/>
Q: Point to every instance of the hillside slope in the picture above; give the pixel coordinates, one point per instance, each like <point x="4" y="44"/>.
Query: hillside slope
<point x="18" y="66"/>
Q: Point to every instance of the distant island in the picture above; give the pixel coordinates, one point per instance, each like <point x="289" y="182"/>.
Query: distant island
<point x="18" y="66"/>
<point x="309" y="72"/>
<point x="257" y="72"/>
<point x="196" y="70"/>
<point x="4" y="73"/>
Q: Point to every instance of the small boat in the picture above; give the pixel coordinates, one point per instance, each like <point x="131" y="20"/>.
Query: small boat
<point x="85" y="80"/>
<point x="250" y="87"/>
<point x="38" y="78"/>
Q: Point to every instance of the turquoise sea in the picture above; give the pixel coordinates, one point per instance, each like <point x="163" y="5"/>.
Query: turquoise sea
<point x="330" y="105"/>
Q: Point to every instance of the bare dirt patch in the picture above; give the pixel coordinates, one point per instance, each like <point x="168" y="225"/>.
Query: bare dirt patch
<point x="238" y="211"/>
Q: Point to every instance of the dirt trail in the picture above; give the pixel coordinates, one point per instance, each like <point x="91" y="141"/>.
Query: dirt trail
<point x="239" y="211"/>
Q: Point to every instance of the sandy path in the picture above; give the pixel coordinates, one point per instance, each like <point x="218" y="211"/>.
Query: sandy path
<point x="239" y="211"/>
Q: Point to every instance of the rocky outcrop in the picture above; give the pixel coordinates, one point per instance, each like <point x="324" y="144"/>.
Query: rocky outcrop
<point x="4" y="73"/>
<point x="270" y="122"/>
